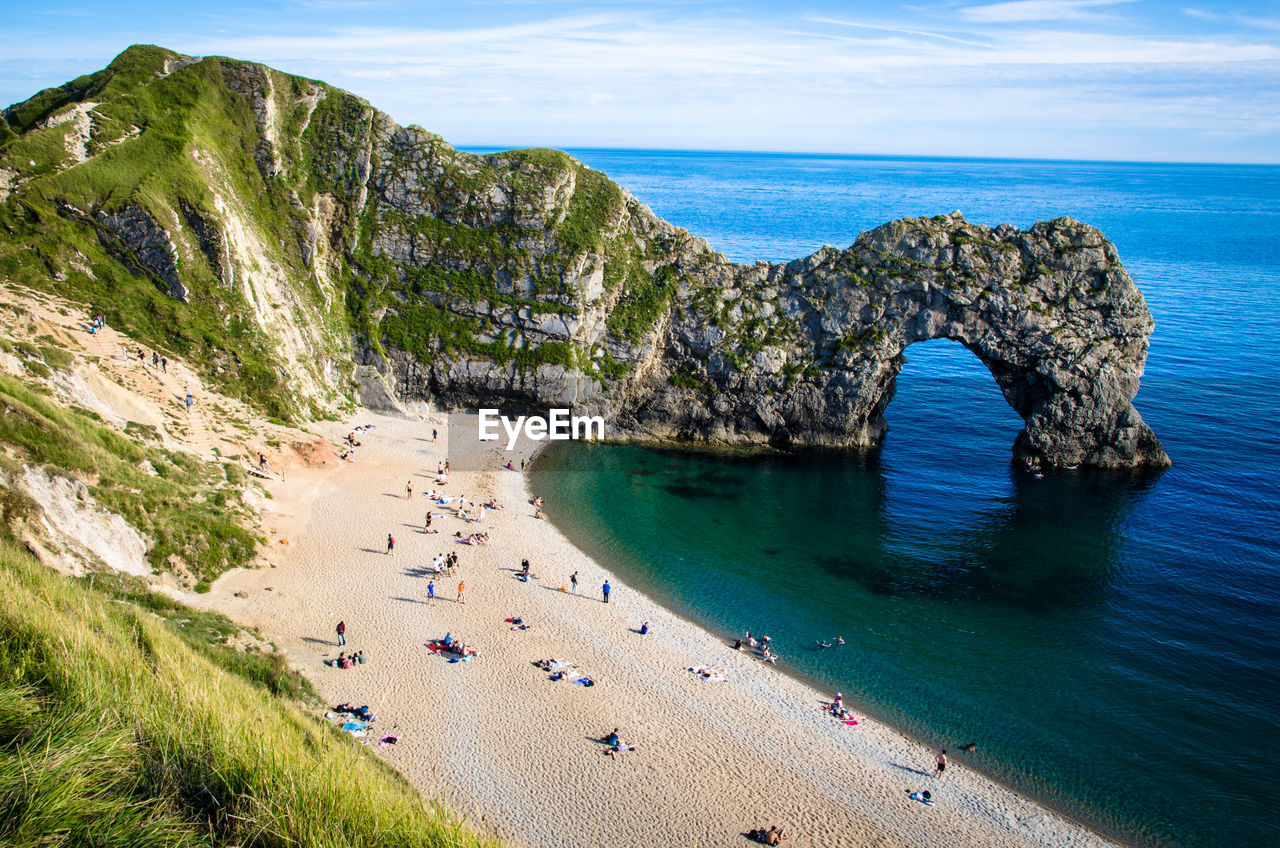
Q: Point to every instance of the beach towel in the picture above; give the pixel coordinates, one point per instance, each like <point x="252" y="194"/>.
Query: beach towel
<point x="355" y="725"/>
<point x="706" y="672"/>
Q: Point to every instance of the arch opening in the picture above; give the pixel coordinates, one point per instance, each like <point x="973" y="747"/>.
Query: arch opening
<point x="947" y="399"/>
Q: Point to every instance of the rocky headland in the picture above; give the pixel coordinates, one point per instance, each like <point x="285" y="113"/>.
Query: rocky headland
<point x="309" y="250"/>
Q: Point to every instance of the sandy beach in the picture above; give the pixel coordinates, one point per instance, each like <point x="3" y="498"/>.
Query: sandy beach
<point x="521" y="755"/>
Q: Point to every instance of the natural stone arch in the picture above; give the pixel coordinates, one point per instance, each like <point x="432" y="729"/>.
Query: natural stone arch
<point x="1049" y="311"/>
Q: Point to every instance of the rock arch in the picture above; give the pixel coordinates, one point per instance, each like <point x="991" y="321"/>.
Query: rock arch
<point x="1049" y="311"/>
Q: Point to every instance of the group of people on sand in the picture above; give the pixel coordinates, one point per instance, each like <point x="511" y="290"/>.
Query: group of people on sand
<point x="347" y="660"/>
<point x="616" y="745"/>
<point x="750" y="643"/>
<point x="443" y="563"/>
<point x="472" y="538"/>
<point x="349" y="451"/>
<point x="450" y="645"/>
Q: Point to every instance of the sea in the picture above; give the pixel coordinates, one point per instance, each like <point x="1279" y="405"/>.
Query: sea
<point x="1110" y="641"/>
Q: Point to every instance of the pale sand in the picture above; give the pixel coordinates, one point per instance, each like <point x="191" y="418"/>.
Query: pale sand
<point x="517" y="754"/>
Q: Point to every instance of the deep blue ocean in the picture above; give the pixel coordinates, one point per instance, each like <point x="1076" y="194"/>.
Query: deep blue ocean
<point x="1111" y="641"/>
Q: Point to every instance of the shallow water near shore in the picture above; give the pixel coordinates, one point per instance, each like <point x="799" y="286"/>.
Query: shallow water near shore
<point x="1107" y="639"/>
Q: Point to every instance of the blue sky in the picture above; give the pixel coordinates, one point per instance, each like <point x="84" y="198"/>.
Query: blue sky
<point x="1077" y="79"/>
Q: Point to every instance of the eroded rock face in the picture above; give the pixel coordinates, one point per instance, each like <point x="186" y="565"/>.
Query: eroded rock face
<point x="145" y="247"/>
<point x="1050" y="312"/>
<point x="808" y="352"/>
<point x="801" y="353"/>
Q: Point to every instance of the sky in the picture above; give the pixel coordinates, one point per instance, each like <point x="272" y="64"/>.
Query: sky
<point x="1138" y="80"/>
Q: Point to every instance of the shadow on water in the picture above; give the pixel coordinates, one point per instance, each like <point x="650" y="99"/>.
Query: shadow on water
<point x="1013" y="552"/>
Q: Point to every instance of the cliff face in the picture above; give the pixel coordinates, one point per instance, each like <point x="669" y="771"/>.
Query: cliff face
<point x="348" y="254"/>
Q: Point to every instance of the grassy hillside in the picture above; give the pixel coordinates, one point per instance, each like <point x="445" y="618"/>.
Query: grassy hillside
<point x="140" y="148"/>
<point x="116" y="728"/>
<point x="290" y="228"/>
<point x="189" y="509"/>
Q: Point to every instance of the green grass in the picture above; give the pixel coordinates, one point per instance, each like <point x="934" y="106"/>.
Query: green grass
<point x="147" y="129"/>
<point x="116" y="729"/>
<point x="184" y="510"/>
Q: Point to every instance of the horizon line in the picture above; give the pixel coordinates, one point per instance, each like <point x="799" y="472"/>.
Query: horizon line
<point x="498" y="148"/>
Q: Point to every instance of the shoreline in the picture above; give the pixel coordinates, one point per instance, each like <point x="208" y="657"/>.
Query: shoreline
<point x="689" y="615"/>
<point x="496" y="738"/>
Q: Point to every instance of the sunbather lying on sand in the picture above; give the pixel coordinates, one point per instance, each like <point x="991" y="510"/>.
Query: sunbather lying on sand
<point x="772" y="836"/>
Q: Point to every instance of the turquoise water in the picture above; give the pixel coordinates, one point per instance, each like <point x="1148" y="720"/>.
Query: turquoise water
<point x="1108" y="640"/>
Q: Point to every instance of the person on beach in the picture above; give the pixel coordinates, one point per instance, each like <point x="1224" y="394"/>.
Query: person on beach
<point x="342" y="633"/>
<point x="164" y="365"/>
<point x="391" y="544"/>
<point x="644" y="629"/>
<point x="524" y="567"/>
<point x="942" y="762"/>
<point x="573" y="582"/>
<point x="408" y="490"/>
<point x="772" y="836"/>
<point x="838" y="703"/>
<point x="427" y="523"/>
<point x="751" y="640"/>
<point x="605" y="590"/>
<point x="431" y="591"/>
<point x="433" y="434"/>
<point x="462" y="587"/>
<point x="191" y="401"/>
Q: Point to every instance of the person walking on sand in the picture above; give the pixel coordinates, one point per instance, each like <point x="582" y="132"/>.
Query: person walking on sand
<point x="391" y="544"/>
<point x="573" y="582"/>
<point x="605" y="590"/>
<point x="408" y="490"/>
<point x="942" y="762"/>
<point x="462" y="587"/>
<point x="164" y="365"/>
<point x="342" y="633"/>
<point x="191" y="401"/>
<point x="431" y="591"/>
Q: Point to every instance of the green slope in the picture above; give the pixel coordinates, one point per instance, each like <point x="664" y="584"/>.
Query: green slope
<point x="117" y="728"/>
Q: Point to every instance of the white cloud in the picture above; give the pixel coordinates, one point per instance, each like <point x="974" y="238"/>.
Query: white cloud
<point x="1020" y="11"/>
<point x="663" y="79"/>
<point x="1202" y="14"/>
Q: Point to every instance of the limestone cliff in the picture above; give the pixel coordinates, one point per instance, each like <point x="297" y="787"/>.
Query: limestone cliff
<point x="323" y="251"/>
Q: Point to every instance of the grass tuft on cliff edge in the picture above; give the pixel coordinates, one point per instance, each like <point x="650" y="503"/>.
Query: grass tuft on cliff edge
<point x="117" y="730"/>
